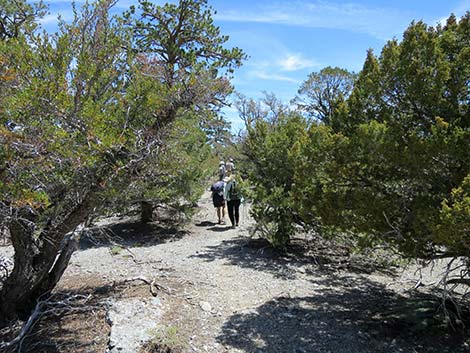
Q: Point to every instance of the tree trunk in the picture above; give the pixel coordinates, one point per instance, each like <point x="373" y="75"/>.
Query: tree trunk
<point x="40" y="260"/>
<point x="146" y="211"/>
<point x="27" y="272"/>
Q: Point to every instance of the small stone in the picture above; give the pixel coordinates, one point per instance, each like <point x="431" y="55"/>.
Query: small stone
<point x="205" y="306"/>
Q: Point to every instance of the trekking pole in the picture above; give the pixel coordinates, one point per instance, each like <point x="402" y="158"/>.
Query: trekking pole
<point x="244" y="213"/>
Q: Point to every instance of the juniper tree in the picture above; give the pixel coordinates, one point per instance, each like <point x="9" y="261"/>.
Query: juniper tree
<point x="82" y="111"/>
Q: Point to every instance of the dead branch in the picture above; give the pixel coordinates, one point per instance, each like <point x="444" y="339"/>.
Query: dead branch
<point x="44" y="307"/>
<point x="109" y="235"/>
<point x="139" y="278"/>
<point x="153" y="284"/>
<point x="465" y="281"/>
<point x="18" y="340"/>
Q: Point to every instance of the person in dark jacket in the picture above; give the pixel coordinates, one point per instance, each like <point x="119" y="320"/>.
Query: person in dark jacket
<point x="218" y="199"/>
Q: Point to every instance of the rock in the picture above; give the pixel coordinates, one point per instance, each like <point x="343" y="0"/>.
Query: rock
<point x="205" y="306"/>
<point x="167" y="213"/>
<point x="132" y="321"/>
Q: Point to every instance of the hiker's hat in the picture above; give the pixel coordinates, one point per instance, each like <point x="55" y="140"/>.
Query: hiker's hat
<point x="221" y="162"/>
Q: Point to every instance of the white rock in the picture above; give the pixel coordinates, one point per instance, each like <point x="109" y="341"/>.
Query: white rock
<point x="205" y="306"/>
<point x="132" y="321"/>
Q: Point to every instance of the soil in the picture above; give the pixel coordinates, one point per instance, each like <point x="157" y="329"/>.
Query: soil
<point x="224" y="291"/>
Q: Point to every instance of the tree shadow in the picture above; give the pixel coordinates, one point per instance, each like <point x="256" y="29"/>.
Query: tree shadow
<point x="362" y="318"/>
<point x="299" y="259"/>
<point x="214" y="227"/>
<point x="219" y="228"/>
<point x="75" y="321"/>
<point x="246" y="254"/>
<point x="205" y="224"/>
<point x="129" y="234"/>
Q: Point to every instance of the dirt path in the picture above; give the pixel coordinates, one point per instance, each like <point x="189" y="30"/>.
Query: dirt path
<point x="221" y="293"/>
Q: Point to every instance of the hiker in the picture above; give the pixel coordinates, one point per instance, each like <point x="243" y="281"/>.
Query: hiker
<point x="222" y="170"/>
<point x="230" y="167"/>
<point x="218" y="200"/>
<point x="233" y="196"/>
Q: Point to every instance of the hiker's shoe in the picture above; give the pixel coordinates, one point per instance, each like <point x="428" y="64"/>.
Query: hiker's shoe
<point x="233" y="227"/>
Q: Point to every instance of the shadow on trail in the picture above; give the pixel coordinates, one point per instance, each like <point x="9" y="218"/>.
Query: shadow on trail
<point x="254" y="255"/>
<point x="257" y="254"/>
<point x="205" y="224"/>
<point x="363" y="318"/>
<point x="219" y="228"/>
<point x="129" y="234"/>
<point x="214" y="227"/>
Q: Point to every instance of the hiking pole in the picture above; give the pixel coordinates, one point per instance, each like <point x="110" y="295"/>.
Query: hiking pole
<point x="244" y="213"/>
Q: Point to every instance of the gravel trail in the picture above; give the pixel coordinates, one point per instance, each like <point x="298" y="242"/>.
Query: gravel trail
<point x="224" y="293"/>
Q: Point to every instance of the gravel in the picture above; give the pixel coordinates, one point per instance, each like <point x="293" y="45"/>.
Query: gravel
<point x="227" y="293"/>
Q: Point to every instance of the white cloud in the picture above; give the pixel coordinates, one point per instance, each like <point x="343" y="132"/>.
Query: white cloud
<point x="375" y="21"/>
<point x="442" y="21"/>
<point x="263" y="75"/>
<point x="62" y="2"/>
<point x="51" y="18"/>
<point x="267" y="17"/>
<point x="294" y="62"/>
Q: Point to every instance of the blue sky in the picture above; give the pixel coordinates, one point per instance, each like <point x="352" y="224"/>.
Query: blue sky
<point x="287" y="40"/>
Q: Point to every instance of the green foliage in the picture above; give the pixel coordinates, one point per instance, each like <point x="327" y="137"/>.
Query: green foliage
<point x="166" y="339"/>
<point x="419" y="158"/>
<point x="454" y="221"/>
<point x="176" y="174"/>
<point x="187" y="36"/>
<point x="88" y="105"/>
<point x="218" y="132"/>
<point x="116" y="250"/>
<point x="271" y="175"/>
<point x="391" y="162"/>
<point x="323" y="93"/>
<point x="67" y="115"/>
<point x="185" y="52"/>
<point x="19" y="16"/>
<point x="95" y="113"/>
<point x="364" y="102"/>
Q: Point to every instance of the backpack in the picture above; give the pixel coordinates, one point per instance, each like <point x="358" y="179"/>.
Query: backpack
<point x="218" y="187"/>
<point x="234" y="192"/>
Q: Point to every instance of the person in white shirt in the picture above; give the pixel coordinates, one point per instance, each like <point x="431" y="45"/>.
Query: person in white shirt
<point x="230" y="167"/>
<point x="222" y="170"/>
